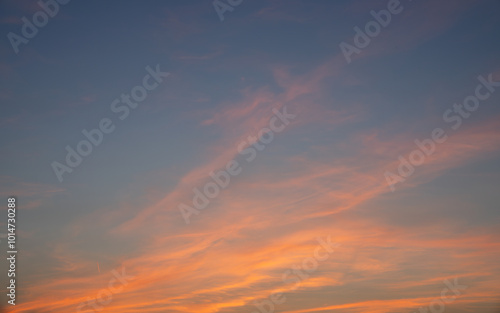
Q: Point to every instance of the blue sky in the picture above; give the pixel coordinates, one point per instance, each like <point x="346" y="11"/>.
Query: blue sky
<point x="324" y="174"/>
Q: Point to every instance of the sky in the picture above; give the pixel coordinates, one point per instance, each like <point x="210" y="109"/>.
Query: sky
<point x="251" y="156"/>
